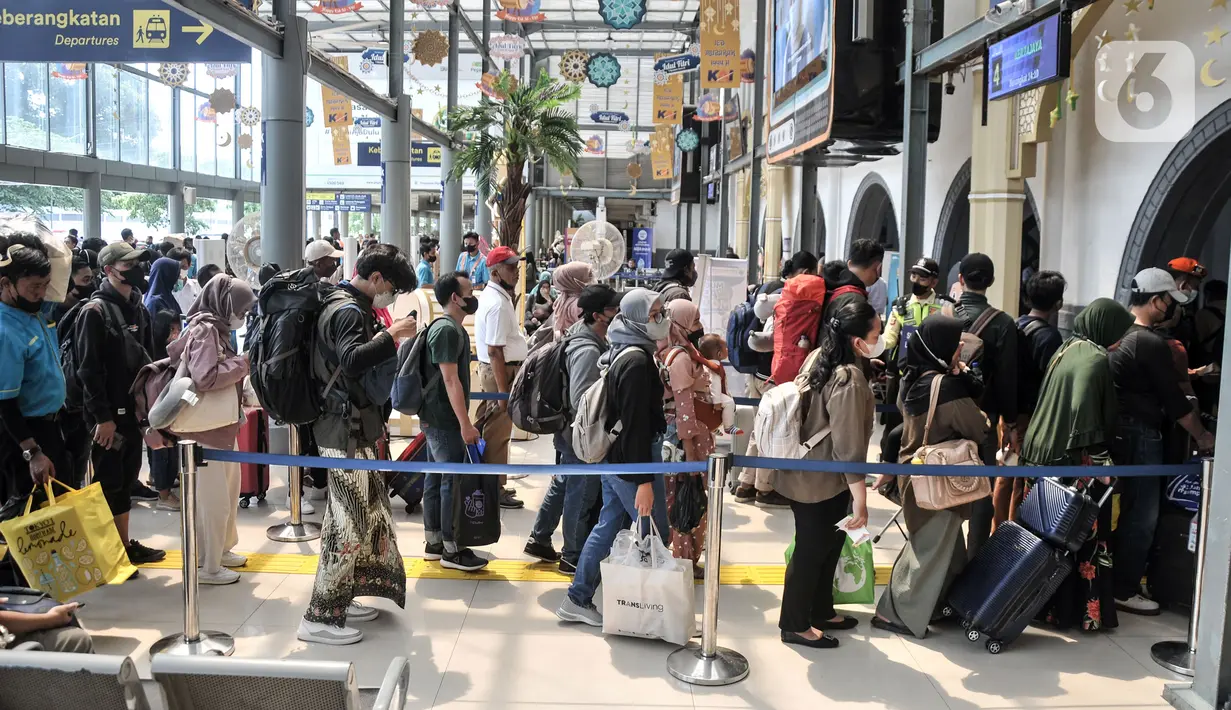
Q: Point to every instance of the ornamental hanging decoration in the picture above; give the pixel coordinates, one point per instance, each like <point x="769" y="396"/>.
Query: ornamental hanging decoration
<point x="173" y="73"/>
<point x="608" y="118"/>
<point x="708" y="108"/>
<point x="428" y="4"/>
<point x="507" y="47"/>
<point x="594" y="145"/>
<point x="573" y="65"/>
<point x="250" y="116"/>
<point x="603" y="69"/>
<point x="336" y="7"/>
<point x="73" y="71"/>
<point x="622" y="14"/>
<point x="207" y="114"/>
<point x="308" y="117"/>
<point x="748" y="67"/>
<point x="221" y="71"/>
<point x="222" y="100"/>
<point x="244" y="141"/>
<point x="664" y="67"/>
<point x="487" y="86"/>
<point x="633" y="170"/>
<point x="521" y="11"/>
<point x="687" y="140"/>
<point x="431" y="47"/>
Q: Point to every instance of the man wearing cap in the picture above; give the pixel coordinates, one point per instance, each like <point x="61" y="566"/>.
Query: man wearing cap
<point x="472" y="263"/>
<point x="572" y="497"/>
<point x="323" y="259"/>
<point x="1189" y="275"/>
<point x="113" y="340"/>
<point x="501" y="347"/>
<point x="678" y="277"/>
<point x="1149" y="396"/>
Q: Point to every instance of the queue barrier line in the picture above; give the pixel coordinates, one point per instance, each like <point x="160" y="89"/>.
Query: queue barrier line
<point x="741" y="401"/>
<point x="909" y="469"/>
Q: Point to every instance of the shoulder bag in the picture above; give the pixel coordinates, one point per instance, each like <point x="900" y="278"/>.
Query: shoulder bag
<point x="944" y="492"/>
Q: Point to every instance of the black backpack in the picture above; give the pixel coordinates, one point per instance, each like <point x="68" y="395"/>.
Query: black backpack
<point x="414" y="374"/>
<point x="281" y="345"/>
<point x="66" y="333"/>
<point x="538" y="398"/>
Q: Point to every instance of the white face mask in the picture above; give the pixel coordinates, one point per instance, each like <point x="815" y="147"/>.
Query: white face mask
<point x="383" y="300"/>
<point x="237" y="322"/>
<point x="658" y="329"/>
<point x="874" y="350"/>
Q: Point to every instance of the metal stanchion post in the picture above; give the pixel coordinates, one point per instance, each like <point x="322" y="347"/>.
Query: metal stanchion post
<point x="295" y="529"/>
<point x="708" y="663"/>
<point x="1181" y="656"/>
<point x="194" y="641"/>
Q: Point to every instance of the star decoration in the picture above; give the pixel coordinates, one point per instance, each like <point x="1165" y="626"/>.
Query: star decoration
<point x="1214" y="36"/>
<point x="420" y="91"/>
<point x="1071" y="98"/>
<point x="1130" y="63"/>
<point x="1053" y="117"/>
<point x="1130" y="6"/>
<point x="1132" y="32"/>
<point x="1102" y="61"/>
<point x="1215" y="4"/>
<point x="1103" y="39"/>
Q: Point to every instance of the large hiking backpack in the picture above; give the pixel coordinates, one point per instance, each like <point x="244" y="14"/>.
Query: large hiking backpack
<point x="797" y="325"/>
<point x="66" y="332"/>
<point x="538" y="399"/>
<point x="410" y="382"/>
<point x="591" y="436"/>
<point x="282" y="345"/>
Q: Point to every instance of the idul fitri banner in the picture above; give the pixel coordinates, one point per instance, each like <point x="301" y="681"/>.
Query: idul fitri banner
<point x="662" y="152"/>
<point x="719" y="44"/>
<point x="669" y="99"/>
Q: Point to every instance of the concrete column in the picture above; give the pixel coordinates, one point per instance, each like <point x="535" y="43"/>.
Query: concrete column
<point x="533" y="205"/>
<point x="483" y="213"/>
<point x="314" y="226"/>
<point x="237" y="207"/>
<point x="809" y="229"/>
<point x="343" y="225"/>
<point x="175" y="208"/>
<point x="367" y="219"/>
<point x="283" y="163"/>
<point x="395" y="195"/>
<point x="741" y="213"/>
<point x="773" y="220"/>
<point x="451" y="205"/>
<point x="93" y="204"/>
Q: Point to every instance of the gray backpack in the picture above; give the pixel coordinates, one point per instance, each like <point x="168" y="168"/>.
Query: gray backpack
<point x="592" y="438"/>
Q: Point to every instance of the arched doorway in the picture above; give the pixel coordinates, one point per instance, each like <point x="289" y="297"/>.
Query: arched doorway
<point x="1186" y="210"/>
<point x="813" y="233"/>
<point x="953" y="229"/>
<point x="873" y="216"/>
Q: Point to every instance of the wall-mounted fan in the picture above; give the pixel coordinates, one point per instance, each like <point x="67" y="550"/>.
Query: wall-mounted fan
<point x="244" y="249"/>
<point x="599" y="244"/>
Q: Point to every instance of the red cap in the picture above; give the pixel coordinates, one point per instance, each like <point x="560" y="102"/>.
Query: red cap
<point x="1187" y="265"/>
<point x="502" y="255"/>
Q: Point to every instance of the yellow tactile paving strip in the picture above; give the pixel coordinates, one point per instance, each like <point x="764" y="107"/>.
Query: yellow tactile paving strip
<point x="503" y="570"/>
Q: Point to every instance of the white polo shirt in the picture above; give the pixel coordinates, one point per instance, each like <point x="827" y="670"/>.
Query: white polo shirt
<point x="495" y="323"/>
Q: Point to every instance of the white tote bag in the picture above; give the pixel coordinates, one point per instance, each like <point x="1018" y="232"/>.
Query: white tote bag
<point x="647" y="592"/>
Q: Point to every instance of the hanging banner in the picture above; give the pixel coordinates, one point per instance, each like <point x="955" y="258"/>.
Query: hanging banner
<point x="595" y="145"/>
<point x="662" y="152"/>
<point x="336" y="7"/>
<point x="520" y="11"/>
<point x="669" y="101"/>
<point x="72" y="72"/>
<point x="341" y="145"/>
<point x="507" y="47"/>
<point x="720" y="61"/>
<point x="708" y="108"/>
<point x="643" y="247"/>
<point x="337" y="105"/>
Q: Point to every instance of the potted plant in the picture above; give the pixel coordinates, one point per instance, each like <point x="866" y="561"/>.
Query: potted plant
<point x="526" y="124"/>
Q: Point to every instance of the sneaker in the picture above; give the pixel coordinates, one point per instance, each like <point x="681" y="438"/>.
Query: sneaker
<point x="542" y="552"/>
<point x="139" y="554"/>
<point x="464" y="560"/>
<point x="734" y="431"/>
<point x="222" y="576"/>
<point x="772" y="499"/>
<point x="361" y="613"/>
<point x="169" y="503"/>
<point x="433" y="551"/>
<point x="313" y="632"/>
<point x="568" y="568"/>
<point x="575" y="613"/>
<point x="315" y="493"/>
<point x="305" y="508"/>
<point x="509" y="499"/>
<point x="745" y="494"/>
<point x="140" y="491"/>
<point x="1138" y="604"/>
<point x="233" y="559"/>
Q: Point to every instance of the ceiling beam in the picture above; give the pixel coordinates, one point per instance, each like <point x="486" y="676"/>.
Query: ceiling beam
<point x="510" y="27"/>
<point x="468" y="28"/>
<point x="542" y="54"/>
<point x="600" y="192"/>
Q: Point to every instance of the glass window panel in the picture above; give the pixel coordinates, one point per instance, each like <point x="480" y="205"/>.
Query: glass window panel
<point x="25" y="105"/>
<point x="188" y="132"/>
<point x="134" y="119"/>
<point x="107" y="111"/>
<point x="68" y="108"/>
<point x="162" y="125"/>
<point x="205" y="131"/>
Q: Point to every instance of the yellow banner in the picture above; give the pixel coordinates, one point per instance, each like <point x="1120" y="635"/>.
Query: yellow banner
<point x="719" y="44"/>
<point x="341" y="145"/>
<point x="337" y="106"/>
<point x="322" y="196"/>
<point x="669" y="100"/>
<point x="662" y="152"/>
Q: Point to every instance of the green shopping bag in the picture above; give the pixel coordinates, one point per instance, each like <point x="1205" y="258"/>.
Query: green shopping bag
<point x="854" y="580"/>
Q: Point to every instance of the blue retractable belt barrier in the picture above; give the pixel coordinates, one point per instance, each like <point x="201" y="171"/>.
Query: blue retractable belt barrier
<point x="749" y="401"/>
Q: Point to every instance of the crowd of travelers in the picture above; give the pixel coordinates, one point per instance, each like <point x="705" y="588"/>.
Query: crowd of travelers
<point x="1124" y="385"/>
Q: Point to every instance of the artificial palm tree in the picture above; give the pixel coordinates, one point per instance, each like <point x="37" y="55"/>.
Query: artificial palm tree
<point x="530" y="124"/>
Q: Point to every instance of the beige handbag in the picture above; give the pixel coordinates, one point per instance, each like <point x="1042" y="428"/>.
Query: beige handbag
<point x="944" y="492"/>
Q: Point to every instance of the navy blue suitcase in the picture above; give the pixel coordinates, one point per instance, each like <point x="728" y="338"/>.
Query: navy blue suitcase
<point x="1059" y="514"/>
<point x="1004" y="587"/>
<point x="409" y="486"/>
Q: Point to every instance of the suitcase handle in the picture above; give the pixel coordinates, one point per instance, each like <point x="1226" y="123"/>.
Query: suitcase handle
<point x="1106" y="494"/>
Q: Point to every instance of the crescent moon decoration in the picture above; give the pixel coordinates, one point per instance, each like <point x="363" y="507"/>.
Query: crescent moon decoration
<point x="1099" y="92"/>
<point x="226" y="140"/>
<point x="1208" y="80"/>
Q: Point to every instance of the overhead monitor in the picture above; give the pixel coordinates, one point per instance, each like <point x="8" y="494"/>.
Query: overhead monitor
<point x="801" y="76"/>
<point x="1028" y="58"/>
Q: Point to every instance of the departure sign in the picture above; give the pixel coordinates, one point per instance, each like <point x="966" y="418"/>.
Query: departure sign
<point x="1028" y="58"/>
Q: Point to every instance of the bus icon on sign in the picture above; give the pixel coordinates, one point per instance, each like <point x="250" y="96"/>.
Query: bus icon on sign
<point x="151" y="29"/>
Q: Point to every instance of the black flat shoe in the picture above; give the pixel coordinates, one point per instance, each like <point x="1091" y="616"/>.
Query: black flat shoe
<point x="883" y="625"/>
<point x="848" y="622"/>
<point x="825" y="641"/>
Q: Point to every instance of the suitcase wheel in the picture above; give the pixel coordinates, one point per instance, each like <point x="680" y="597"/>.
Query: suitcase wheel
<point x="260" y="498"/>
<point x="973" y="635"/>
<point x="947" y="612"/>
<point x="994" y="647"/>
<point x="244" y="502"/>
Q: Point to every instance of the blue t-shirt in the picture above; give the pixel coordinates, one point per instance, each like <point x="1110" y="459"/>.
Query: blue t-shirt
<point x="424" y="274"/>
<point x="31" y="356"/>
<point x="475" y="266"/>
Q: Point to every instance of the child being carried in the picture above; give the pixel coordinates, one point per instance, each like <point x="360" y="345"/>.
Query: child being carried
<point x="714" y="349"/>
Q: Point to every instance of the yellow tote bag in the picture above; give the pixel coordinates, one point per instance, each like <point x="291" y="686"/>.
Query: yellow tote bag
<point x="70" y="545"/>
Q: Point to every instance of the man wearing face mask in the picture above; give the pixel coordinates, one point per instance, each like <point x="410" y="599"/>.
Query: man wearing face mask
<point x="323" y="259"/>
<point x="113" y="339"/>
<point x="501" y="346"/>
<point x="427" y="257"/>
<point x="82" y="284"/>
<point x="186" y="288"/>
<point x="1149" y="396"/>
<point x="472" y="263"/>
<point x="678" y="277"/>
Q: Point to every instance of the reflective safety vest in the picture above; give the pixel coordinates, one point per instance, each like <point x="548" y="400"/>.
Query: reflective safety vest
<point x="912" y="313"/>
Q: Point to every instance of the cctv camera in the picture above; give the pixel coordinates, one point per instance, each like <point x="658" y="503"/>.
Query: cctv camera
<point x="949" y="87"/>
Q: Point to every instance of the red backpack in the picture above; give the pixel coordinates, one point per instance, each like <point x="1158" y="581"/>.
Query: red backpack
<point x="797" y="321"/>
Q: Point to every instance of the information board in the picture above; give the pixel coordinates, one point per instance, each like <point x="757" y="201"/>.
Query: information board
<point x="643" y="247"/>
<point x="423" y="154"/>
<point x="110" y="31"/>
<point x="1028" y="58"/>
<point x="339" y="202"/>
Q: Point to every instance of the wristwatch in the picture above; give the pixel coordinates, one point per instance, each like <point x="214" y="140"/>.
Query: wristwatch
<point x="30" y="453"/>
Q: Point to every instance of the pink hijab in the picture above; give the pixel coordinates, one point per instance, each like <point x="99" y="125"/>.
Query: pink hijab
<point x="685" y="317"/>
<point x="569" y="280"/>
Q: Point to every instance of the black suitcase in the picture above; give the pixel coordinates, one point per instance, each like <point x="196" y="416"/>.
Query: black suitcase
<point x="1172" y="567"/>
<point x="1004" y="587"/>
<point x="1059" y="514"/>
<point x="409" y="486"/>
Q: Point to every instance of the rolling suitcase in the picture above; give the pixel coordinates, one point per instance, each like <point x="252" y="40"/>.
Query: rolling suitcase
<point x="254" y="478"/>
<point x="1008" y="582"/>
<point x="1059" y="514"/>
<point x="409" y="486"/>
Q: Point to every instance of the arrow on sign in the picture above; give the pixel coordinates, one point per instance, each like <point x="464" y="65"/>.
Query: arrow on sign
<point x="202" y="30"/>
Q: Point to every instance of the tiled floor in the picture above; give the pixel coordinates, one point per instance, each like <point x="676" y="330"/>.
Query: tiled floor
<point x="483" y="644"/>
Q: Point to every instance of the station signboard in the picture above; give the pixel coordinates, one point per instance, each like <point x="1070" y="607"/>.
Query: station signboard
<point x="339" y="202"/>
<point x="1032" y="57"/>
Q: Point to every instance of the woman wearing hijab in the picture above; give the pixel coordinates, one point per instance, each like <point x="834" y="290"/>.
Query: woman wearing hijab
<point x="637" y="397"/>
<point x="569" y="280"/>
<point x="689" y="413"/>
<point x="160" y="301"/>
<point x="164" y="275"/>
<point x="1074" y="425"/>
<point x="936" y="550"/>
<point x="214" y="365"/>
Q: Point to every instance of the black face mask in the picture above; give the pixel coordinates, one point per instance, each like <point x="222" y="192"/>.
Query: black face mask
<point x="431" y="259"/>
<point x="470" y="304"/>
<point x="26" y="304"/>
<point x="135" y="278"/>
<point x="84" y="292"/>
<point x="1170" y="312"/>
<point x="471" y="248"/>
<point x="695" y="337"/>
<point x="919" y="289"/>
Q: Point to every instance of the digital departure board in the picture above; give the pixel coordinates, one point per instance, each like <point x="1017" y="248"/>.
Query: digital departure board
<point x="1028" y="58"/>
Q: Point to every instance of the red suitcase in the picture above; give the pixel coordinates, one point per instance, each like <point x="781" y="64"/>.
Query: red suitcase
<point x="254" y="478"/>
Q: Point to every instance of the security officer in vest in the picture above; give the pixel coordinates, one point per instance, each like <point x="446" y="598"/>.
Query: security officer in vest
<point x="907" y="315"/>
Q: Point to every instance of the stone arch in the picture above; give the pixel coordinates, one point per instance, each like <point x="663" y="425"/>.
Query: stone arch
<point x="872" y="216"/>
